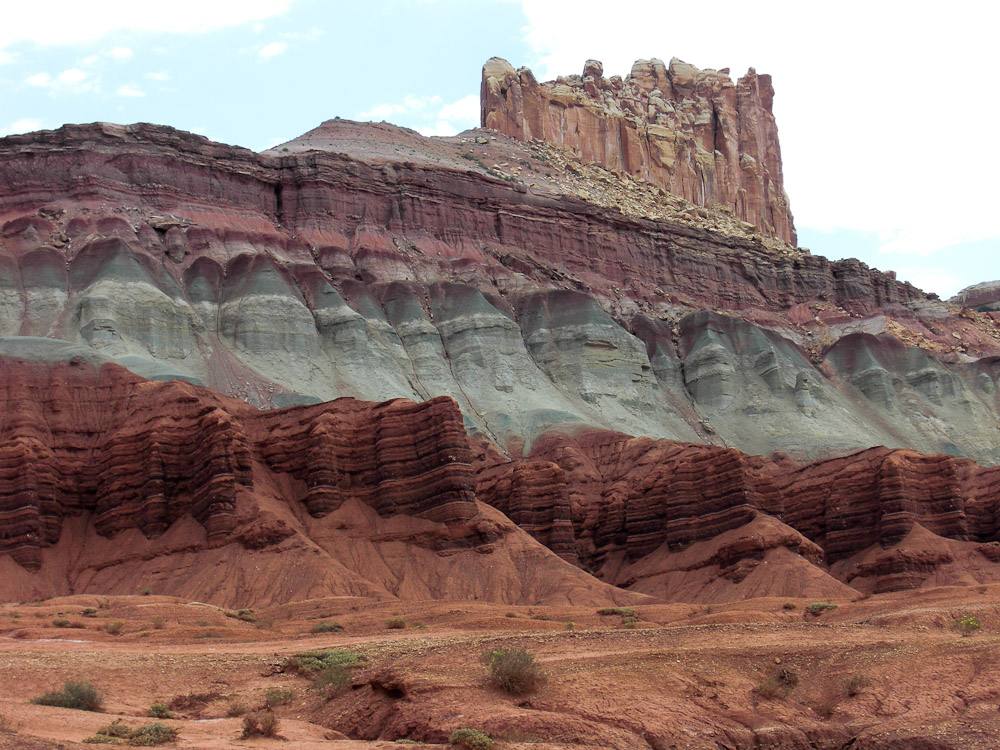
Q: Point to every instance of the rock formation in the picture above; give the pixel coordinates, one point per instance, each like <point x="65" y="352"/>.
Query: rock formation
<point x="692" y="132"/>
<point x="984" y="297"/>
<point x="370" y="262"/>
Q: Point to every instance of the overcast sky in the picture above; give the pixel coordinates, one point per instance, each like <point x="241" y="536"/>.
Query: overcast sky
<point x="886" y="111"/>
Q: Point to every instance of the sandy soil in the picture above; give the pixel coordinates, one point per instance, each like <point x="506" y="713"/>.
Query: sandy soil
<point x="681" y="676"/>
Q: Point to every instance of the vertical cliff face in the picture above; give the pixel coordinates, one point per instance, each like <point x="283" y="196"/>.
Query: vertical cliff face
<point x="692" y="132"/>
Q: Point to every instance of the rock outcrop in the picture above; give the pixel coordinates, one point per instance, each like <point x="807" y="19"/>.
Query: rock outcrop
<point x="713" y="524"/>
<point x="367" y="261"/>
<point x="984" y="297"/>
<point x="108" y="480"/>
<point x="691" y="132"/>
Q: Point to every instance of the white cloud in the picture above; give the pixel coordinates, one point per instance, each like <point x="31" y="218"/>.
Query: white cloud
<point x="130" y="90"/>
<point x="121" y="53"/>
<point x="271" y="50"/>
<point x="6" y="57"/>
<point x="72" y="80"/>
<point x="411" y="105"/>
<point x="24" y="125"/>
<point x="92" y="60"/>
<point x="160" y="76"/>
<point x="439" y="128"/>
<point x="887" y="137"/>
<point x="72" y="22"/>
<point x="464" y="110"/>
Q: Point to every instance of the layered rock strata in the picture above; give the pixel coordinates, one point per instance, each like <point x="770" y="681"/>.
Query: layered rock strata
<point x="692" y="132"/>
<point x="370" y="262"/>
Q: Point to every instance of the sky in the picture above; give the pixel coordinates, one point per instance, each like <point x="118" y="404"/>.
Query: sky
<point x="885" y="110"/>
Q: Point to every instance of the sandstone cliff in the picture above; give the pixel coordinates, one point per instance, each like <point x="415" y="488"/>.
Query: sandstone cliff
<point x="368" y="261"/>
<point x="692" y="132"/>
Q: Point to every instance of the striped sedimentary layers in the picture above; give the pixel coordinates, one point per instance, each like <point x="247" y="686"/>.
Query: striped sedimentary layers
<point x="79" y="438"/>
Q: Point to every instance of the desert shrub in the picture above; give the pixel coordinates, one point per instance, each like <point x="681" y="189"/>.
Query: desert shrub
<point x="260" y="724"/>
<point x="818" y="608"/>
<point x="160" y="711"/>
<point x="542" y="617"/>
<point x="968" y="624"/>
<point x="623" y="611"/>
<point x="855" y="684"/>
<point x="512" y="615"/>
<point x="277" y="697"/>
<point x="89" y="612"/>
<point x="148" y="735"/>
<point x="104" y="604"/>
<point x="395" y="623"/>
<point x="61" y="622"/>
<point x="114" y="628"/>
<point x="327" y="627"/>
<point x="778" y="685"/>
<point x="78" y="694"/>
<point x="570" y="625"/>
<point x="236" y="707"/>
<point x="159" y="623"/>
<point x="308" y="663"/>
<point x="146" y="592"/>
<point x="331" y="680"/>
<point x="245" y="615"/>
<point x="788" y="606"/>
<point x="470" y="739"/>
<point x="629" y="622"/>
<point x="512" y="670"/>
<point x="6" y="725"/>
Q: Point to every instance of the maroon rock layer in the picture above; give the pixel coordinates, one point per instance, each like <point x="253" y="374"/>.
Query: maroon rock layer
<point x="692" y="132"/>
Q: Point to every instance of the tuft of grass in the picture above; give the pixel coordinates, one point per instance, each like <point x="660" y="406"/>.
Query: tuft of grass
<point x="146" y="591"/>
<point x="395" y="623"/>
<point x="260" y="724"/>
<point x="513" y="670"/>
<point x="788" y="606"/>
<point x="470" y="739"/>
<point x="78" y="694"/>
<point x="6" y="725"/>
<point x="778" y="685"/>
<point x="629" y="622"/>
<point x="114" y="628"/>
<point x="147" y="735"/>
<point x="274" y="697"/>
<point x="327" y="627"/>
<point x="61" y="622"/>
<point x="160" y="711"/>
<point x="159" y="623"/>
<point x="570" y="625"/>
<point x="89" y="612"/>
<point x="244" y="615"/>
<point x="236" y="707"/>
<point x="855" y="684"/>
<point x="818" y="608"/>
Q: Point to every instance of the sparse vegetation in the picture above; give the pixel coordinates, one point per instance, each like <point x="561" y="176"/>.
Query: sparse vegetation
<point x="818" y="608"/>
<point x="470" y="739"/>
<point x="61" y="622"/>
<point x="146" y="591"/>
<point x="622" y="611"/>
<point x="541" y="617"/>
<point x="244" y="615"/>
<point x="327" y="627"/>
<point x="114" y="628"/>
<point x="629" y="622"/>
<point x="395" y="623"/>
<point x="78" y="694"/>
<point x="789" y="606"/>
<point x="570" y="625"/>
<point x="89" y="612"/>
<point x="160" y="711"/>
<point x="159" y="623"/>
<point x="274" y="697"/>
<point x="968" y="625"/>
<point x="119" y="733"/>
<point x="513" y="670"/>
<point x="308" y="663"/>
<point x="778" y="685"/>
<point x="855" y="684"/>
<point x="236" y="707"/>
<point x="260" y="724"/>
<point x="6" y="725"/>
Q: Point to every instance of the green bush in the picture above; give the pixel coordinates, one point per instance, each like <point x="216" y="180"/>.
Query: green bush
<point x="61" y="622"/>
<point x="161" y="711"/>
<point x="327" y="627"/>
<point x="622" y="611"/>
<point x="308" y="663"/>
<point x="89" y="612"/>
<point x="148" y="735"/>
<point x="512" y="670"/>
<point x="245" y="615"/>
<point x="260" y="724"/>
<point x="968" y="624"/>
<point x="78" y="694"/>
<point x="629" y="622"/>
<point x="395" y="623"/>
<point x="470" y="739"/>
<point x="818" y="608"/>
<point x="277" y="697"/>
<point x="331" y="680"/>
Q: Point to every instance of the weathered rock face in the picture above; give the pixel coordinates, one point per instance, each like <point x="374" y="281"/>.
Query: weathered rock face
<point x="704" y="523"/>
<point x="370" y="262"/>
<point x="692" y="132"/>
<point x="984" y="297"/>
<point x="106" y="479"/>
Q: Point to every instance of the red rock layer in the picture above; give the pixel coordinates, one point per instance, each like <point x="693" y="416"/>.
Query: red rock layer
<point x="632" y="496"/>
<point x="140" y="454"/>
<point x="691" y="132"/>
